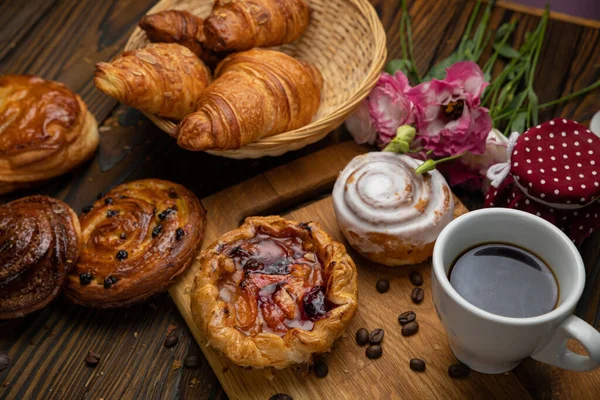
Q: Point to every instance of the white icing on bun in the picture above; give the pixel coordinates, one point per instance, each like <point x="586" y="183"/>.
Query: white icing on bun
<point x="387" y="212"/>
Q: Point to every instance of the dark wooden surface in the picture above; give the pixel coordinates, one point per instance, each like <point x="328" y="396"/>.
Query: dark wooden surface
<point x="62" y="40"/>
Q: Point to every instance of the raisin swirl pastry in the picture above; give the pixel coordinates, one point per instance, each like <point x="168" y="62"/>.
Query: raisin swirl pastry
<point x="39" y="245"/>
<point x="137" y="239"/>
<point x="387" y="212"/>
<point x="274" y="292"/>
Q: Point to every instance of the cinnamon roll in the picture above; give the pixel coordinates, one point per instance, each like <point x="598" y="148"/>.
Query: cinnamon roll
<point x="45" y="131"/>
<point x="388" y="213"/>
<point x="39" y="245"/>
<point x="274" y="292"/>
<point x="136" y="240"/>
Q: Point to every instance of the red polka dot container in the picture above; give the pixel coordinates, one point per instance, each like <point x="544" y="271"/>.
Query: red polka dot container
<point x="555" y="174"/>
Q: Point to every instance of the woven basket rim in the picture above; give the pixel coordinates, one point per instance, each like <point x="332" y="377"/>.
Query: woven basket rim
<point x="272" y="145"/>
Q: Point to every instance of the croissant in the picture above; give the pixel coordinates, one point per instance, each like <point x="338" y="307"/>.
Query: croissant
<point x="45" y="131"/>
<point x="257" y="93"/>
<point x="242" y="25"/>
<point x="166" y="79"/>
<point x="40" y="244"/>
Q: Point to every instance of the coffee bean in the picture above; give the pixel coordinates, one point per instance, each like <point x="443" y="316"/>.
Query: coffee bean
<point x="416" y="364"/>
<point x="362" y="336"/>
<point x="92" y="359"/>
<point x="458" y="371"/>
<point x="383" y="285"/>
<point x="376" y="336"/>
<point x="410" y="329"/>
<point x="417" y="295"/>
<point x="416" y="278"/>
<point x="4" y="361"/>
<point x="374" y="351"/>
<point x="191" y="362"/>
<point x="321" y="369"/>
<point x="281" y="396"/>
<point x="406" y="317"/>
<point x="171" y="340"/>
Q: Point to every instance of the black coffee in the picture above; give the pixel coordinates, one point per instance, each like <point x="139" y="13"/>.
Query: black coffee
<point x="505" y="280"/>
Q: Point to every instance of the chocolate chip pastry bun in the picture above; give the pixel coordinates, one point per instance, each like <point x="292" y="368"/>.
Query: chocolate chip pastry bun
<point x="39" y="245"/>
<point x="274" y="292"/>
<point x="387" y="212"/>
<point x="136" y="240"/>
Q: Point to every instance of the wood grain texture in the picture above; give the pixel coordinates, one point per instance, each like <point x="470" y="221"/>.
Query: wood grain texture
<point x="62" y="40"/>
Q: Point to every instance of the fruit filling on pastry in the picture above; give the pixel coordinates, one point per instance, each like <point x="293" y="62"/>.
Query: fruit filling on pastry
<point x="274" y="284"/>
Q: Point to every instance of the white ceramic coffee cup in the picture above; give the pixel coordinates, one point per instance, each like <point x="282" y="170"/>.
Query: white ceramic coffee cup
<point x="492" y="343"/>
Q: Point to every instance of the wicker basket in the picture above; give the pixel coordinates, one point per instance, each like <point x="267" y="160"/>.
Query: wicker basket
<point x="344" y="39"/>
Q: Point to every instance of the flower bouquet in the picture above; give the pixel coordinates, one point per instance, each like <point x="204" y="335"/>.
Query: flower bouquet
<point x="456" y="117"/>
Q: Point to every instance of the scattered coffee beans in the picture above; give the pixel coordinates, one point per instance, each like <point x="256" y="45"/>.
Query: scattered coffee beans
<point x="171" y="340"/>
<point x="458" y="370"/>
<point x="416" y="278"/>
<point x="4" y="361"/>
<point x="362" y="336"/>
<point x="191" y="362"/>
<point x="321" y="369"/>
<point x="281" y="396"/>
<point x="406" y="317"/>
<point x="383" y="285"/>
<point x="410" y="329"/>
<point x="417" y="295"/>
<point x="92" y="359"/>
<point x="374" y="351"/>
<point x="376" y="336"/>
<point x="416" y="364"/>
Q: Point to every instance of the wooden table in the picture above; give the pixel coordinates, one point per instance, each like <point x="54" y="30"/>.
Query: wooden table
<point x="62" y="40"/>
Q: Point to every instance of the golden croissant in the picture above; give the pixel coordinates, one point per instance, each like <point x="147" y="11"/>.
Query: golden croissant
<point x="257" y="93"/>
<point x="242" y="25"/>
<point x="166" y="79"/>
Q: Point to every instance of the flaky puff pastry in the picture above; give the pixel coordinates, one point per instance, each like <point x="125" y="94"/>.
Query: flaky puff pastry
<point x="256" y="93"/>
<point x="40" y="239"/>
<point x="274" y="292"/>
<point x="242" y="25"/>
<point x="45" y="131"/>
<point x="136" y="240"/>
<point x="166" y="79"/>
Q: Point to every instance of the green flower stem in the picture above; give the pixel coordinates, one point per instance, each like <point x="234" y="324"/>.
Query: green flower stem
<point x="430" y="165"/>
<point x="540" y="42"/>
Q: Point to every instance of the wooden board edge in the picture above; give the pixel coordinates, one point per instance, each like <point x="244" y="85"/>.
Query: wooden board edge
<point x="525" y="9"/>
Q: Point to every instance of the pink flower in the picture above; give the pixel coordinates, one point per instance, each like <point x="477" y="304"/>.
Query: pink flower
<point x="495" y="153"/>
<point x="361" y="126"/>
<point x="390" y="105"/>
<point x="450" y="119"/>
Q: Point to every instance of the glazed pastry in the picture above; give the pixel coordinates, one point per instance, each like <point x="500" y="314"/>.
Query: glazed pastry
<point x="257" y="93"/>
<point x="274" y="292"/>
<point x="45" y="131"/>
<point x="136" y="240"/>
<point x="39" y="239"/>
<point x="166" y="79"/>
<point x="388" y="213"/>
<point x="242" y="25"/>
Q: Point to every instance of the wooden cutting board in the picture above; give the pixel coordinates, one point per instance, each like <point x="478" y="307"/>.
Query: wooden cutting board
<point x="301" y="191"/>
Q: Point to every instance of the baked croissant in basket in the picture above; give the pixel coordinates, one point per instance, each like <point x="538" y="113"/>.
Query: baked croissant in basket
<point x="257" y="93"/>
<point x="166" y="79"/>
<point x="242" y="25"/>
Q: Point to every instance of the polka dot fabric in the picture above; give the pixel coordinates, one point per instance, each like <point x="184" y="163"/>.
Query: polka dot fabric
<point x="558" y="162"/>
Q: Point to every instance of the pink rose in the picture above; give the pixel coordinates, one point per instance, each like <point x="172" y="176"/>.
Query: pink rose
<point x="361" y="126"/>
<point x="390" y="105"/>
<point x="450" y="120"/>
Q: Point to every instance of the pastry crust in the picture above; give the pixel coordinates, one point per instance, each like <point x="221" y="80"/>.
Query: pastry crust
<point x="45" y="131"/>
<point x="165" y="79"/>
<point x="230" y="327"/>
<point x="256" y="93"/>
<point x="388" y="213"/>
<point x="40" y="239"/>
<point x="136" y="240"/>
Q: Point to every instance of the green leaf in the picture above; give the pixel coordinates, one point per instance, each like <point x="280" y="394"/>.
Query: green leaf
<point x="397" y="65"/>
<point x="506" y="51"/>
<point x="438" y="71"/>
<point x="504" y="29"/>
<point x="518" y="124"/>
<point x="516" y="102"/>
<point x="535" y="106"/>
<point x="487" y="76"/>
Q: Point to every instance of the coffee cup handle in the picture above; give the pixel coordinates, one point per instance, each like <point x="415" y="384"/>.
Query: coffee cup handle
<point x="556" y="352"/>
